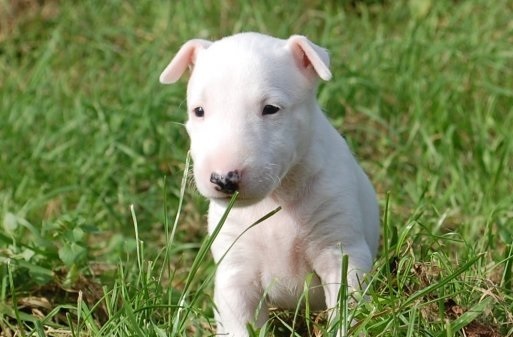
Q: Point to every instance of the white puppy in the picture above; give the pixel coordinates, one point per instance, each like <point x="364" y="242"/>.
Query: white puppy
<point x="256" y="128"/>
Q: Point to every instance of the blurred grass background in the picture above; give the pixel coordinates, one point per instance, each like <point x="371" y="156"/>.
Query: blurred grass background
<point x="423" y="91"/>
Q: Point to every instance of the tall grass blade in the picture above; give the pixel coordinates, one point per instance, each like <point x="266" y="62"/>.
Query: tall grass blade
<point x="507" y="276"/>
<point x="196" y="264"/>
<point x="138" y="242"/>
<point x="343" y="296"/>
<point x="19" y="320"/>
<point x="183" y="187"/>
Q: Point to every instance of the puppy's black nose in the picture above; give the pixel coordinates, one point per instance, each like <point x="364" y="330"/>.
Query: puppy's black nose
<point x="228" y="183"/>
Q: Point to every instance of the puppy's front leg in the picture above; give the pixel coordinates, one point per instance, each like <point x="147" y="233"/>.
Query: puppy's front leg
<point x="239" y="301"/>
<point x="328" y="266"/>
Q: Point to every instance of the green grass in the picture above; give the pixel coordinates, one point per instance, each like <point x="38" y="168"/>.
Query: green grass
<point x="102" y="236"/>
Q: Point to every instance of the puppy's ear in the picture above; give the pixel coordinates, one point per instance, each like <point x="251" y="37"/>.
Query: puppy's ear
<point x="309" y="55"/>
<point x="185" y="58"/>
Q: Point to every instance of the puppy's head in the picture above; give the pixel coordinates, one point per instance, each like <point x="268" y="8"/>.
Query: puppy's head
<point x="250" y="102"/>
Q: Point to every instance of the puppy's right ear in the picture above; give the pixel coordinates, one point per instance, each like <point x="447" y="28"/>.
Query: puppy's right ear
<point x="310" y="56"/>
<point x="185" y="58"/>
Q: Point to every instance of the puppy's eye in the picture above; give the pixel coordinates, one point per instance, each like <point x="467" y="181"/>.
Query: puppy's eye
<point x="270" y="109"/>
<point x="199" y="112"/>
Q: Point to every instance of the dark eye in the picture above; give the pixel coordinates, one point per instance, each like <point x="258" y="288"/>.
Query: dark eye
<point x="199" y="112"/>
<point x="270" y="109"/>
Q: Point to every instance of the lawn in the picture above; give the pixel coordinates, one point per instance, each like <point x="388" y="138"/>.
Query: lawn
<point x="102" y="233"/>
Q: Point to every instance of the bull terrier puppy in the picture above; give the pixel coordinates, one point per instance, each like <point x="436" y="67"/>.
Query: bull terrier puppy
<point x="256" y="129"/>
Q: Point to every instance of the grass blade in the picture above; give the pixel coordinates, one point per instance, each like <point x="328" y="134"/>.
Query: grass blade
<point x="14" y="298"/>
<point x="469" y="316"/>
<point x="507" y="277"/>
<point x="442" y="282"/>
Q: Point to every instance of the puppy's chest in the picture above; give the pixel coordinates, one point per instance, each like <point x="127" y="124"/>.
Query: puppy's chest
<point x="276" y="246"/>
<point x="284" y="268"/>
<point x="282" y="253"/>
<point x="278" y="243"/>
<point x="274" y="252"/>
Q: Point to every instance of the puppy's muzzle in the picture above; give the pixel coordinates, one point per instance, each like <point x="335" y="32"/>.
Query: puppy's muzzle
<point x="228" y="183"/>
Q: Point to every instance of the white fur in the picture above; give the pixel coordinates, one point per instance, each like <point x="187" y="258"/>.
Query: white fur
<point x="293" y="158"/>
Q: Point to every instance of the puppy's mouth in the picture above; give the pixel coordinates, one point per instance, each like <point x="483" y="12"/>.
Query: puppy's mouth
<point x="228" y="197"/>
<point x="221" y="189"/>
<point x="241" y="200"/>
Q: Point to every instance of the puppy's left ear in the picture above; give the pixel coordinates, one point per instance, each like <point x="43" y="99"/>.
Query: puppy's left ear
<point x="310" y="56"/>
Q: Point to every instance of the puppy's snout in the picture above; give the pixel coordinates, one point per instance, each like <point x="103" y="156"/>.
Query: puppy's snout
<point x="228" y="183"/>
